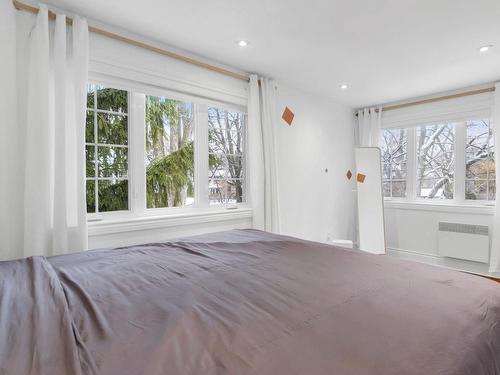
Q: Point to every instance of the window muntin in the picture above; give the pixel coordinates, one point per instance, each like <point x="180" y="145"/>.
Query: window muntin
<point x="226" y="143"/>
<point x="106" y="149"/>
<point x="435" y="161"/>
<point x="448" y="161"/>
<point x="125" y="164"/>
<point x="169" y="158"/>
<point x="479" y="161"/>
<point x="393" y="147"/>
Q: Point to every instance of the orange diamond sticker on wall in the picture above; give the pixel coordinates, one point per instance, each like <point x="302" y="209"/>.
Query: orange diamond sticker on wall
<point x="361" y="177"/>
<point x="288" y="116"/>
<point x="349" y="174"/>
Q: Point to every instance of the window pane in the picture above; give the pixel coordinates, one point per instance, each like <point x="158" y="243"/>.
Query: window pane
<point x="169" y="152"/>
<point x="112" y="161"/>
<point x="225" y="166"/>
<point x="226" y="133"/>
<point x="476" y="189"/>
<point x="225" y="191"/>
<point x="224" y="121"/>
<point x="479" y="161"/>
<point x="436" y="188"/>
<point x="112" y="129"/>
<point x="90" y="196"/>
<point x="113" y="195"/>
<point x="393" y="149"/>
<point x="90" y="160"/>
<point x="478" y="168"/>
<point x="435" y="161"/>
<point x="112" y="100"/>
<point x="221" y="141"/>
<point x="386" y="187"/>
<point x="398" y="189"/>
<point x="111" y="170"/>
<point x="90" y="95"/>
<point x="89" y="127"/>
<point x="491" y="190"/>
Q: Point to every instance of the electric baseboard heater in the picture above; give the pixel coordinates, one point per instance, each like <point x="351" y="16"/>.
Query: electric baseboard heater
<point x="464" y="241"/>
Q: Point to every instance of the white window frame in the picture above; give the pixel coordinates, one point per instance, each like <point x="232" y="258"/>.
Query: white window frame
<point x="459" y="180"/>
<point x="137" y="148"/>
<point x="96" y="145"/>
<point x="244" y="177"/>
<point x="391" y="180"/>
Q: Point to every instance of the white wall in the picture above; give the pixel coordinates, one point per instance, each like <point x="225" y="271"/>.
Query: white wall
<point x="110" y="60"/>
<point x="412" y="226"/>
<point x="412" y="231"/>
<point x="315" y="204"/>
<point x="147" y="230"/>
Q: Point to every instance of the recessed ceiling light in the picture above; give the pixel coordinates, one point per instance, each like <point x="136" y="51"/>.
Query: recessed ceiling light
<point x="344" y="86"/>
<point x="485" y="48"/>
<point x="242" y="43"/>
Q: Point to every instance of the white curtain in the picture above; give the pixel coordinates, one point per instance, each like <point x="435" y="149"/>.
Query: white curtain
<point x="495" y="246"/>
<point x="9" y="147"/>
<point x="54" y="188"/>
<point x="262" y="154"/>
<point x="368" y="130"/>
<point x="366" y="134"/>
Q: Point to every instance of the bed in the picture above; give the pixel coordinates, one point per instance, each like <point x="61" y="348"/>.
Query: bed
<point x="244" y="302"/>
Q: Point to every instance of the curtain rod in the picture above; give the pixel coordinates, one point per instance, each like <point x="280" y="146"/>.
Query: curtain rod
<point x="25" y="7"/>
<point x="436" y="99"/>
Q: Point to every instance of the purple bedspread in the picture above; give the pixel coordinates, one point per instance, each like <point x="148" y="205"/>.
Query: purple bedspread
<point x="244" y="302"/>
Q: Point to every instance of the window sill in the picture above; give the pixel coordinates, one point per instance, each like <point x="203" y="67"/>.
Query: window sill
<point x="478" y="209"/>
<point x="113" y="225"/>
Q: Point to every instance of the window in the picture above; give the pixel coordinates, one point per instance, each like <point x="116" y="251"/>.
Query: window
<point x="169" y="153"/>
<point x="393" y="145"/>
<point x="226" y="139"/>
<point x="479" y="161"/>
<point x="106" y="147"/>
<point x="148" y="152"/>
<point x="435" y="161"/>
<point x="441" y="161"/>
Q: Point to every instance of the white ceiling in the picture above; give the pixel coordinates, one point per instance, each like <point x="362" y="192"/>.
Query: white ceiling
<point x="386" y="50"/>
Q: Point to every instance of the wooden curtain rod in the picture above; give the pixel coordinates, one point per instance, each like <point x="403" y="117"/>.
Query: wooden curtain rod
<point x="21" y="6"/>
<point x="436" y="99"/>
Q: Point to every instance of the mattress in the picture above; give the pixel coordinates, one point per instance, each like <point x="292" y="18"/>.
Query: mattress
<point x="244" y="302"/>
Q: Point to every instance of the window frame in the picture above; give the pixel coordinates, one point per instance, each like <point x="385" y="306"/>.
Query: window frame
<point x="244" y="156"/>
<point x="488" y="180"/>
<point x="137" y="147"/>
<point x="415" y="166"/>
<point x="96" y="214"/>
<point x="459" y="199"/>
<point x="391" y="180"/>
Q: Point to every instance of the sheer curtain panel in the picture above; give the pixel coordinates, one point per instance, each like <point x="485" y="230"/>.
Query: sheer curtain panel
<point x="54" y="169"/>
<point x="495" y="246"/>
<point x="369" y="123"/>
<point x="262" y="154"/>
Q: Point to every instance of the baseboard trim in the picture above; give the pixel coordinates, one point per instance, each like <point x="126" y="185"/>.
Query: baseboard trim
<point x="480" y="269"/>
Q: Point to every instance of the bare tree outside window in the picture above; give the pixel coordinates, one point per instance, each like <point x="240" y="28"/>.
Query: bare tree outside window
<point x="479" y="161"/>
<point x="226" y="141"/>
<point x="433" y="168"/>
<point x="169" y="153"/>
<point x="435" y="161"/>
<point x="393" y="148"/>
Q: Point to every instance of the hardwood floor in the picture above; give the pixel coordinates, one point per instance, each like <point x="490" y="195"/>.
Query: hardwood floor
<point x="492" y="278"/>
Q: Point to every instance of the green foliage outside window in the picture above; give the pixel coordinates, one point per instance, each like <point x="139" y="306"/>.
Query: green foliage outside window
<point x="169" y="153"/>
<point x="106" y="137"/>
